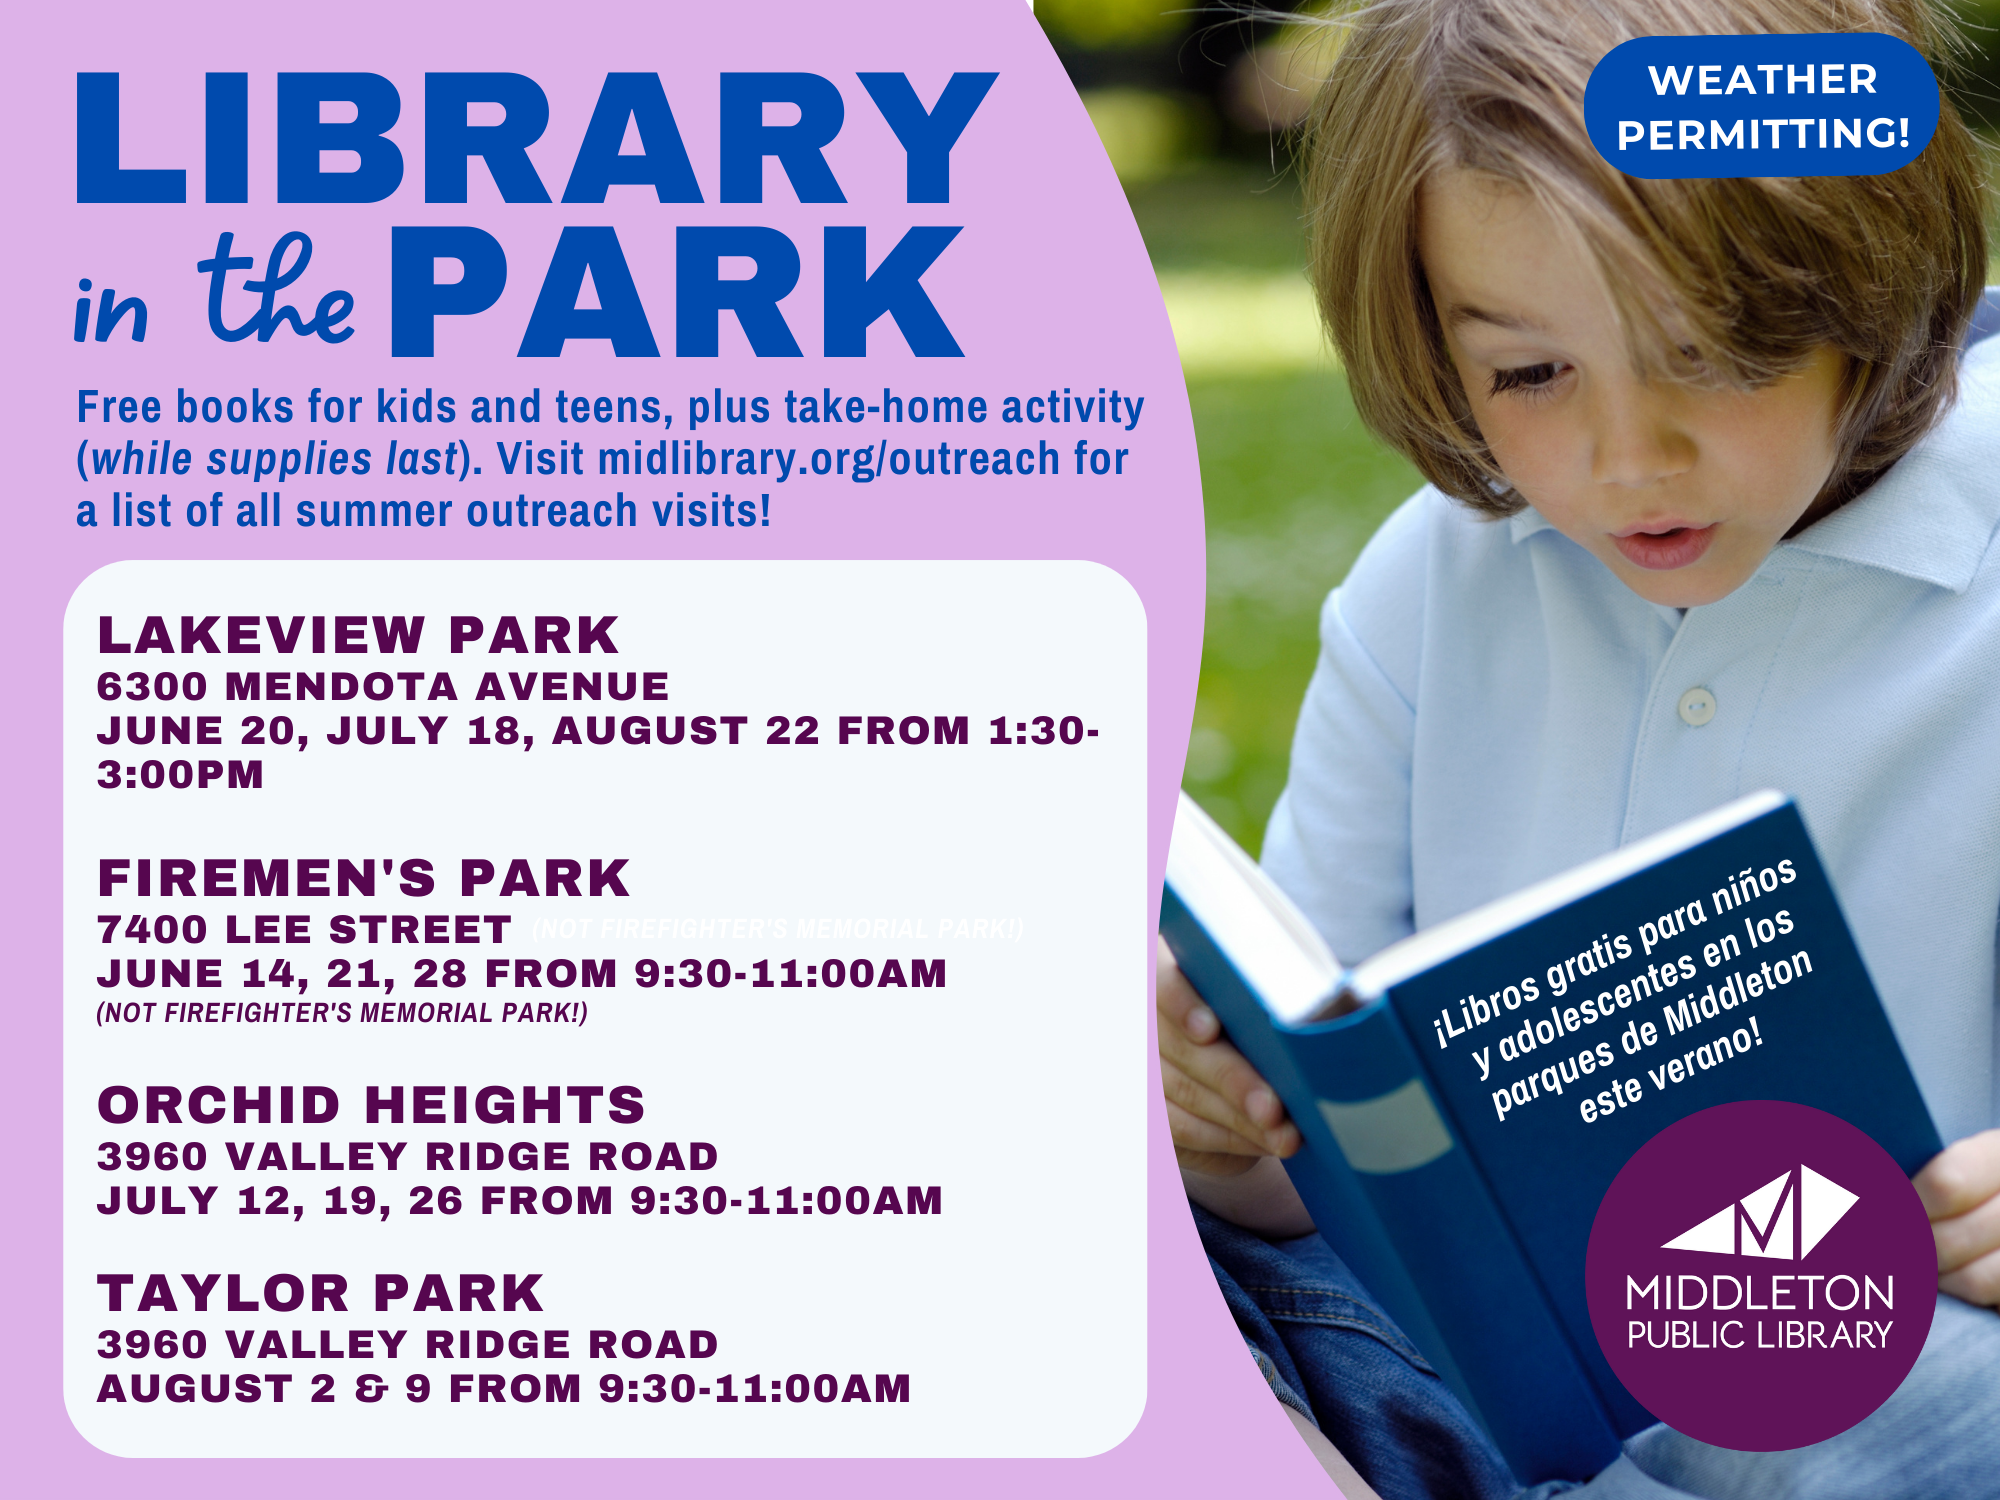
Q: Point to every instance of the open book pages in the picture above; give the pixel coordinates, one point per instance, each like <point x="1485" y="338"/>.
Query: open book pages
<point x="1268" y="939"/>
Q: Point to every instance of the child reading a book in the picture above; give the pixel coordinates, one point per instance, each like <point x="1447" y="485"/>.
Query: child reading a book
<point x="1714" y="484"/>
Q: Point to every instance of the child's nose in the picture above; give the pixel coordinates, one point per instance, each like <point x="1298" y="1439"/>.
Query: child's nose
<point x="1636" y="441"/>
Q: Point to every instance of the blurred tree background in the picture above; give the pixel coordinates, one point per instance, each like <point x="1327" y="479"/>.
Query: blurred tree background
<point x="1197" y="106"/>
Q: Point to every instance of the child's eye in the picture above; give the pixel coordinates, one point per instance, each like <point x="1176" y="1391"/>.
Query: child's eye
<point x="1524" y="378"/>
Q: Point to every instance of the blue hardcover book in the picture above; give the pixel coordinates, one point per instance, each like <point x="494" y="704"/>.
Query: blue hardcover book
<point x="1467" y="1095"/>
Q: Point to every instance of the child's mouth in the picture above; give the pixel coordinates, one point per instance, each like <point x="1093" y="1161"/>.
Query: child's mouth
<point x="1660" y="549"/>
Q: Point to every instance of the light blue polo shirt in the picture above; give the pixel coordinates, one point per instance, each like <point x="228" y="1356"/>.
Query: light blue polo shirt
<point x="1492" y="706"/>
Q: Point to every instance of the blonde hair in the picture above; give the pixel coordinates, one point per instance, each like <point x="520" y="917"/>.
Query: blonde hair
<point x="1737" y="280"/>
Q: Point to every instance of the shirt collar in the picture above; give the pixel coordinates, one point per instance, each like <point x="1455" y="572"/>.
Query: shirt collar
<point x="1525" y="522"/>
<point x="1933" y="515"/>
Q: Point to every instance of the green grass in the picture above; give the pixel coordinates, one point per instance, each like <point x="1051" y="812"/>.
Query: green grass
<point x="1292" y="485"/>
<point x="1221" y="214"/>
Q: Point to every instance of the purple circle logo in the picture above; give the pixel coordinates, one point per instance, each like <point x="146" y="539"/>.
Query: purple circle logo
<point x="1761" y="1275"/>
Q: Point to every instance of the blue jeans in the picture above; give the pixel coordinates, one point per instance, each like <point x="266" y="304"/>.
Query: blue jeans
<point x="1329" y="1352"/>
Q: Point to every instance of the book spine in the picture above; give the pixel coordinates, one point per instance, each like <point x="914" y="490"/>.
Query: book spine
<point x="1364" y="1096"/>
<point x="1333" y="1195"/>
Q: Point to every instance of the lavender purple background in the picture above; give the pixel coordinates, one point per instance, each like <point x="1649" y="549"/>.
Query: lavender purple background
<point x="1048" y="284"/>
<point x="1760" y="1399"/>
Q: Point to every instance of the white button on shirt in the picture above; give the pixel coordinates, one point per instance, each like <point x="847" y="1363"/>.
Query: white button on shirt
<point x="1697" y="707"/>
<point x="1492" y="706"/>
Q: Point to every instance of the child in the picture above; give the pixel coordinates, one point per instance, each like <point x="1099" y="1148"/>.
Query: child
<point x="1712" y="507"/>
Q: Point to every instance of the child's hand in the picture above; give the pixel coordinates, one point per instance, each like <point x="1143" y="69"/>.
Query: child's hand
<point x="1960" y="1189"/>
<point x="1224" y="1117"/>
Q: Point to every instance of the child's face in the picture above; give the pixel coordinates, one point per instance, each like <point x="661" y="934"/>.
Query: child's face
<point x="1682" y="492"/>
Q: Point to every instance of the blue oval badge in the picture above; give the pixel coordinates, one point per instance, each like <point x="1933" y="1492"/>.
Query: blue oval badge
<point x="1842" y="104"/>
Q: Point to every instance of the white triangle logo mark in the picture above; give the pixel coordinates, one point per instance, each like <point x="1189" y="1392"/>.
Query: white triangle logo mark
<point x="1782" y="1220"/>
